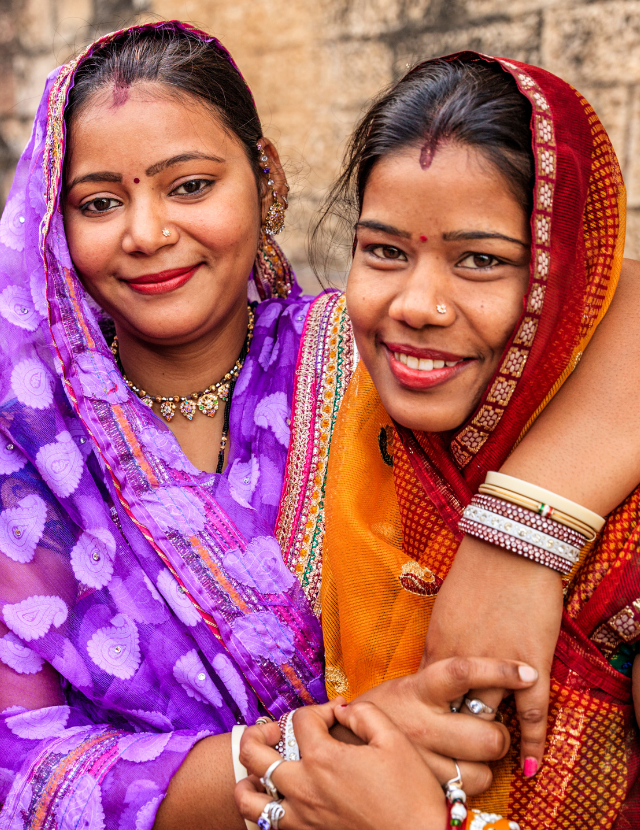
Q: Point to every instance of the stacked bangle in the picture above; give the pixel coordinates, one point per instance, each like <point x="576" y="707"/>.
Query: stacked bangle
<point x="532" y="522"/>
<point x="288" y="745"/>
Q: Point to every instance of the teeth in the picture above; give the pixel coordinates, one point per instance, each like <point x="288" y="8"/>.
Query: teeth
<point x="423" y="364"/>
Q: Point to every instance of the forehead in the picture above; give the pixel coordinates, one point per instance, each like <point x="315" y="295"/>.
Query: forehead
<point x="460" y="183"/>
<point x="142" y="121"/>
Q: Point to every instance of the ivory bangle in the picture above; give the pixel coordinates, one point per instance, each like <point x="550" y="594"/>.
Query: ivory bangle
<point x="239" y="771"/>
<point x="532" y="491"/>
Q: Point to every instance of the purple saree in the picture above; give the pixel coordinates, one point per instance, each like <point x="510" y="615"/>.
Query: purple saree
<point x="143" y="604"/>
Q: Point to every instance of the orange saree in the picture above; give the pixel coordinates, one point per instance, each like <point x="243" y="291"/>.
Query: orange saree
<point x="394" y="497"/>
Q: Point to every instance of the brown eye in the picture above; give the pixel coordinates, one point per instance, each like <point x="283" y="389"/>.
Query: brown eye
<point x="191" y="187"/>
<point x="101" y="205"/>
<point x="387" y="252"/>
<point x="479" y="261"/>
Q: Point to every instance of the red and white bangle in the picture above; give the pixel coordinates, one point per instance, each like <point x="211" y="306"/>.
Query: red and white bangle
<point x="288" y="746"/>
<point x="523" y="532"/>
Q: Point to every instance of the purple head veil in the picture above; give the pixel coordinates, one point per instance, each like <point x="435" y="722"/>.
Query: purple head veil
<point x="143" y="603"/>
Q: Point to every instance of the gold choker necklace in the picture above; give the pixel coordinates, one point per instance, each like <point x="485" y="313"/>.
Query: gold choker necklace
<point x="208" y="401"/>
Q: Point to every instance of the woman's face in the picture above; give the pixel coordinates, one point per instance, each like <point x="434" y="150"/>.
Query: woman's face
<point x="437" y="283"/>
<point x="147" y="164"/>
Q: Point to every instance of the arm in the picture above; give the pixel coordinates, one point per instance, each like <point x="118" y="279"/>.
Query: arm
<point x="585" y="446"/>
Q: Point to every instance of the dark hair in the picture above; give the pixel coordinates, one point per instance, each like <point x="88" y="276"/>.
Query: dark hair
<point x="181" y="61"/>
<point x="475" y="103"/>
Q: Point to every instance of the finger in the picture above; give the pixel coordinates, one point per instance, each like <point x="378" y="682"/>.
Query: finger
<point x="477" y="777"/>
<point x="462" y="736"/>
<point x="366" y="721"/>
<point x="490" y="697"/>
<point x="532" y="706"/>
<point x="325" y="711"/>
<point x="249" y="801"/>
<point x="255" y="754"/>
<point x="444" y="681"/>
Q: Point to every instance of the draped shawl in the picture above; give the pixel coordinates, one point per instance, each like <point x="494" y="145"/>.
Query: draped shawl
<point x="144" y="604"/>
<point x="395" y="497"/>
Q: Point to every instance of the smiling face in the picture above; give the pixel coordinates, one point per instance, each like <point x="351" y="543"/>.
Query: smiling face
<point x="437" y="282"/>
<point x="162" y="213"/>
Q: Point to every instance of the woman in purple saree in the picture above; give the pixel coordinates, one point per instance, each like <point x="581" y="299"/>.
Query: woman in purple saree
<point x="125" y="570"/>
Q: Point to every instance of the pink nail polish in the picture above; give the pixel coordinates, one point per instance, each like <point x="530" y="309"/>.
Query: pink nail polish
<point x="530" y="767"/>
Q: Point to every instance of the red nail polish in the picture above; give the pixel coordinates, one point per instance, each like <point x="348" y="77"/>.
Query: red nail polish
<point x="530" y="767"/>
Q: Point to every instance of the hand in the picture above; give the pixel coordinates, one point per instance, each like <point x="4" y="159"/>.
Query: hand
<point x="420" y="706"/>
<point x="494" y="603"/>
<point x="384" y="783"/>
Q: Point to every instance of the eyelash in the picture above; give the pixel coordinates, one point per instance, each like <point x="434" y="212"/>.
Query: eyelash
<point x="204" y="182"/>
<point x="371" y="249"/>
<point x="115" y="202"/>
<point x="492" y="264"/>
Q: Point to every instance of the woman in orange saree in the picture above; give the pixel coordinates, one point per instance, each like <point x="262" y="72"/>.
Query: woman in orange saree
<point x="395" y="495"/>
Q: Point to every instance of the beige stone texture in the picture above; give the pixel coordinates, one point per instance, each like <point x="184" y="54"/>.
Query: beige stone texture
<point x="314" y="66"/>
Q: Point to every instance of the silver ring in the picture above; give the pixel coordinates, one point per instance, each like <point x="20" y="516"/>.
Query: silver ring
<point x="270" y="816"/>
<point x="267" y="783"/>
<point x="477" y="707"/>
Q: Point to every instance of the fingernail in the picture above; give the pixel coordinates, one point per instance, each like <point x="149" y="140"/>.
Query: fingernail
<point x="527" y="674"/>
<point x="341" y="706"/>
<point x="530" y="767"/>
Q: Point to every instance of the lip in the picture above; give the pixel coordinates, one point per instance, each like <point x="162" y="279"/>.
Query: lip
<point x="418" y="380"/>
<point x="163" y="281"/>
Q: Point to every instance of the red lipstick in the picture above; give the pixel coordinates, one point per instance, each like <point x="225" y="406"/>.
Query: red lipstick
<point x="163" y="281"/>
<point x="412" y="377"/>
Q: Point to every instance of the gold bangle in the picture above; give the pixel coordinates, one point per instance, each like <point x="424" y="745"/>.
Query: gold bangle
<point x="535" y="506"/>
<point x="538" y="494"/>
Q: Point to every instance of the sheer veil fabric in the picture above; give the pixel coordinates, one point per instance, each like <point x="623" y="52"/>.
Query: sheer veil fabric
<point x="394" y="497"/>
<point x="144" y="604"/>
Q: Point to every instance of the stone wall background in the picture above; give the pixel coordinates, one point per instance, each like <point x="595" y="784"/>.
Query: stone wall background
<point x="314" y="65"/>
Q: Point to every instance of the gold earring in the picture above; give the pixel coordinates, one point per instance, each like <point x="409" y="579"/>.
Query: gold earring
<point x="274" y="222"/>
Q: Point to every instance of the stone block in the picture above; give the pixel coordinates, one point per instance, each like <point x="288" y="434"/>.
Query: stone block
<point x="593" y="43"/>
<point x="631" y="163"/>
<point x="632" y="242"/>
<point x="518" y="39"/>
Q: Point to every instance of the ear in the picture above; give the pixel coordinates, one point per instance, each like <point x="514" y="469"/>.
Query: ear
<point x="276" y="174"/>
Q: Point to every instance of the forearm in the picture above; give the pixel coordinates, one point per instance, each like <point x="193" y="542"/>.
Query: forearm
<point x="586" y="443"/>
<point x="200" y="795"/>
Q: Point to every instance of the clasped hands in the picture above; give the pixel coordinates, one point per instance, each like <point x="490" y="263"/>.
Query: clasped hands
<point x="403" y="736"/>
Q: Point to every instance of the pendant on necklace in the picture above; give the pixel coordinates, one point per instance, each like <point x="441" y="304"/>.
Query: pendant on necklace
<point x="147" y="401"/>
<point x="208" y="404"/>
<point x="167" y="410"/>
<point x="188" y="408"/>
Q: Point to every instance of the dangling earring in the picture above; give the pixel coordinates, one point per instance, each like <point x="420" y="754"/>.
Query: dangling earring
<point x="274" y="221"/>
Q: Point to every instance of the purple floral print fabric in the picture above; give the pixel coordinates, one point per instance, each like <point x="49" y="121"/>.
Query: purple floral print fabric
<point x="144" y="604"/>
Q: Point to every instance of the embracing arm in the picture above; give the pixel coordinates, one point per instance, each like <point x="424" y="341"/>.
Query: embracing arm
<point x="584" y="446"/>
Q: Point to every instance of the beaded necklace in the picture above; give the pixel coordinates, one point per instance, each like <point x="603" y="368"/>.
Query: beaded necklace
<point x="208" y="402"/>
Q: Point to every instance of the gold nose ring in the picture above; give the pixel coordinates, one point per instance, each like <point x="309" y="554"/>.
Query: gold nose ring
<point x="441" y="308"/>
<point x="166" y="232"/>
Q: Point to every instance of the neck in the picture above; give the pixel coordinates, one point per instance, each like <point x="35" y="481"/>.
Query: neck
<point x="181" y="369"/>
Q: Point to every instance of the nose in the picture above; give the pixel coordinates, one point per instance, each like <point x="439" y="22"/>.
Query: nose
<point x="147" y="229"/>
<point x="424" y="299"/>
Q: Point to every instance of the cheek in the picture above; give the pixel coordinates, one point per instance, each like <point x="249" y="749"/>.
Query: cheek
<point x="494" y="318"/>
<point x="90" y="249"/>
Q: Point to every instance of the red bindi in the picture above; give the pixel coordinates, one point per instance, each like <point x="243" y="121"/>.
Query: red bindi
<point x="136" y="181"/>
<point x="423" y="238"/>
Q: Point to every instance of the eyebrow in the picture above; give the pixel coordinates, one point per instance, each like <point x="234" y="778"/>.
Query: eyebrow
<point x="104" y="176"/>
<point x="162" y="165"/>
<point x="456" y="236"/>
<point x="381" y="226"/>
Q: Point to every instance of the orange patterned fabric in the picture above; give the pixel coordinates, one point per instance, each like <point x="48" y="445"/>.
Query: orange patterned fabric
<point x="393" y="497"/>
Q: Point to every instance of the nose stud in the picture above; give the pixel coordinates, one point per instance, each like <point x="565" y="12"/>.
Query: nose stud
<point x="441" y="308"/>
<point x="166" y="232"/>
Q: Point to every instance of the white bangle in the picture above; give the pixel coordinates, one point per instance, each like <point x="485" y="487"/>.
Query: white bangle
<point x="239" y="771"/>
<point x="532" y="491"/>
